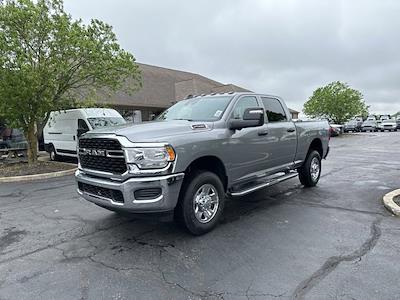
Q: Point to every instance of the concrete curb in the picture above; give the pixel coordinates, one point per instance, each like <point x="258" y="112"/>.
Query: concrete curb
<point x="390" y="204"/>
<point x="38" y="176"/>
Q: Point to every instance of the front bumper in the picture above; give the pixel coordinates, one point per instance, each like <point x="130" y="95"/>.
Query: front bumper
<point x="387" y="127"/>
<point x="170" y="186"/>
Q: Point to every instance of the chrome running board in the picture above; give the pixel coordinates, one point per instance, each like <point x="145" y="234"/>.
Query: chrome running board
<point x="264" y="184"/>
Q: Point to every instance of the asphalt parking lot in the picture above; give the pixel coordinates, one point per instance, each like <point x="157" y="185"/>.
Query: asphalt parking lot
<point x="335" y="241"/>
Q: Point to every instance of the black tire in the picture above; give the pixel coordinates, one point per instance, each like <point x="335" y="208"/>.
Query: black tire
<point x="305" y="171"/>
<point x="185" y="210"/>
<point x="53" y="155"/>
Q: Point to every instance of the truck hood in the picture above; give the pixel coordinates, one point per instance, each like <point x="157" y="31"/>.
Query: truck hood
<point x="157" y="131"/>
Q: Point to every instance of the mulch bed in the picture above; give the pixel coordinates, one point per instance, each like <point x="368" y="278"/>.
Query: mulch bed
<point x="40" y="167"/>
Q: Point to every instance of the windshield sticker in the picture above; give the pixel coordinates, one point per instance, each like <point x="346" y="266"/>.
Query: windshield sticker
<point x="218" y="113"/>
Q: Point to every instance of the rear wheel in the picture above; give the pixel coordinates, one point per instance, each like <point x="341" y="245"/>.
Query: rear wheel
<point x="53" y="155"/>
<point x="201" y="202"/>
<point x="310" y="171"/>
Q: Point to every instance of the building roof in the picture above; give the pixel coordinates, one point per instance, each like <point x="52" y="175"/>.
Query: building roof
<point x="292" y="111"/>
<point x="163" y="86"/>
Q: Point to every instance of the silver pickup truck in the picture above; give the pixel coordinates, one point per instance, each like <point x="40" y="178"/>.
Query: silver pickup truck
<point x="197" y="153"/>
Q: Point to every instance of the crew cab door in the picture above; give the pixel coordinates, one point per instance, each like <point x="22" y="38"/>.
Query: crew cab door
<point x="281" y="140"/>
<point x="244" y="150"/>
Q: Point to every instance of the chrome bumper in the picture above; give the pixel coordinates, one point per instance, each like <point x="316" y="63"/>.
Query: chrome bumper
<point x="170" y="187"/>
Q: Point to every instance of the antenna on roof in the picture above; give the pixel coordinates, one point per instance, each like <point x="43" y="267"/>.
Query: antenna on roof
<point x="231" y="92"/>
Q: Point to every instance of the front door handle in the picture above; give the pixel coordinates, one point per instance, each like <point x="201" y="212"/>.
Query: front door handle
<point x="291" y="130"/>
<point x="73" y="137"/>
<point x="263" y="132"/>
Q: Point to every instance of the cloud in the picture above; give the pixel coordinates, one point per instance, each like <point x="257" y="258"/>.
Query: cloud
<point x="283" y="47"/>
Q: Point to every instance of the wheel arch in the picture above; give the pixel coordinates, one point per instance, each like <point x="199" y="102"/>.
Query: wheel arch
<point x="209" y="163"/>
<point x="316" y="144"/>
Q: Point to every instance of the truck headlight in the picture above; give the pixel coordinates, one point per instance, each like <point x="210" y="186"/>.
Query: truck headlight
<point x="150" y="158"/>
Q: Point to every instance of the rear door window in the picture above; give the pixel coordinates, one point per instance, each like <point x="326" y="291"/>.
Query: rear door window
<point x="273" y="110"/>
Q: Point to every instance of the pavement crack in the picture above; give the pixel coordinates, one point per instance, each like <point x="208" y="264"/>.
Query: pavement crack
<point x="64" y="240"/>
<point x="323" y="205"/>
<point x="331" y="263"/>
<point x="175" y="284"/>
<point x="117" y="269"/>
<point x="58" y="219"/>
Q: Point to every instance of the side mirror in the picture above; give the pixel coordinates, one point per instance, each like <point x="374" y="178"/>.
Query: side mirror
<point x="80" y="131"/>
<point x="252" y="117"/>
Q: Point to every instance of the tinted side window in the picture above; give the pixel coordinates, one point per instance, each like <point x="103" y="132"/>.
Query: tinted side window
<point x="274" y="110"/>
<point x="82" y="125"/>
<point x="242" y="104"/>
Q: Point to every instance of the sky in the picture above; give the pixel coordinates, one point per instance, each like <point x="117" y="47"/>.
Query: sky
<point x="282" y="47"/>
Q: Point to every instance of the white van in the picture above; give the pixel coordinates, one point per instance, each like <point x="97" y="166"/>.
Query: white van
<point x="63" y="128"/>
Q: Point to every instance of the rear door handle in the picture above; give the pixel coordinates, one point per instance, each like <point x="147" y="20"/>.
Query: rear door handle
<point x="291" y="130"/>
<point x="263" y="132"/>
<point x="73" y="137"/>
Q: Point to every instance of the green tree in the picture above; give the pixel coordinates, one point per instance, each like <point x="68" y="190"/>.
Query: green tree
<point x="48" y="61"/>
<point x="337" y="102"/>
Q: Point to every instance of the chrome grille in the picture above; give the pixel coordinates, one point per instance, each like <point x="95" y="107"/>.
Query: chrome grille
<point x="101" y="154"/>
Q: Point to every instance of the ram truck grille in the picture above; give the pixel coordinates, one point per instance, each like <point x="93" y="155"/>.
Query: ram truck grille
<point x="102" y="154"/>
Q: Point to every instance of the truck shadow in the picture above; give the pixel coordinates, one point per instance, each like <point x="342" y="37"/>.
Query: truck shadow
<point x="236" y="209"/>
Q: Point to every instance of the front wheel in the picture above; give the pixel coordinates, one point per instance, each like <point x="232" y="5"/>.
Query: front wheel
<point x="310" y="171"/>
<point x="201" y="203"/>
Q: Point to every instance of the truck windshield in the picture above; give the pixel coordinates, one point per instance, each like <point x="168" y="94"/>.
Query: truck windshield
<point x="207" y="108"/>
<point x="105" y="122"/>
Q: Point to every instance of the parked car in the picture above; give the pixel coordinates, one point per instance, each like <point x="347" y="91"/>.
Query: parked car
<point x="398" y="123"/>
<point x="63" y="128"/>
<point x="195" y="153"/>
<point x="12" y="138"/>
<point x="339" y="128"/>
<point x="353" y="126"/>
<point x="369" y="125"/>
<point x="334" y="131"/>
<point x="389" y="124"/>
